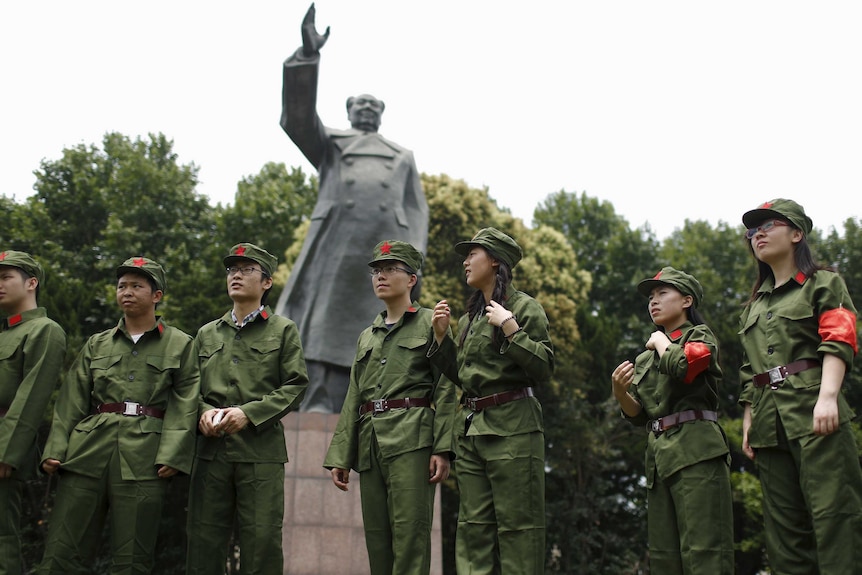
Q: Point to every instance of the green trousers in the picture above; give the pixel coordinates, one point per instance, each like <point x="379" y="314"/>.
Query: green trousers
<point x="812" y="504"/>
<point x="82" y="506"/>
<point x="690" y="521"/>
<point x="249" y="494"/>
<point x="501" y="517"/>
<point x="11" y="491"/>
<point x="397" y="512"/>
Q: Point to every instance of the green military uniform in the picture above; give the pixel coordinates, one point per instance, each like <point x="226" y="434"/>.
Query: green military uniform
<point x="110" y="459"/>
<point x="32" y="348"/>
<point x="812" y="485"/>
<point x="391" y="449"/>
<point x="259" y="368"/>
<point x="690" y="519"/>
<point x="500" y="450"/>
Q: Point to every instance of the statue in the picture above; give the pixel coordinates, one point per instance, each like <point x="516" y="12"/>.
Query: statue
<point x="369" y="191"/>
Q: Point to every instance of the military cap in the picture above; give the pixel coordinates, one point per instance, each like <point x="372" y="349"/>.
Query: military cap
<point x="779" y="208"/>
<point x="247" y="251"/>
<point x="399" y="251"/>
<point x="24" y="261"/>
<point x="501" y="246"/>
<point x="685" y="283"/>
<point x="145" y="266"/>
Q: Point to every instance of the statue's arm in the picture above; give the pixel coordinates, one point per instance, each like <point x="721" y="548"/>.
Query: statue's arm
<point x="299" y="93"/>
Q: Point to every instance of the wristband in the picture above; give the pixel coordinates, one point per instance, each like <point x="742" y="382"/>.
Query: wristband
<point x="502" y="323"/>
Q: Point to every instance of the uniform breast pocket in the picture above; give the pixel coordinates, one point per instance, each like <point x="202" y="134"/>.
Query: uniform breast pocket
<point x="9" y="369"/>
<point x="208" y="353"/>
<point x="100" y="368"/>
<point x="264" y="356"/>
<point x="409" y="355"/>
<point x="160" y="368"/>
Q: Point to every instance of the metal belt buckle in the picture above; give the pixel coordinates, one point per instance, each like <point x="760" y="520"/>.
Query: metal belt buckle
<point x="471" y="403"/>
<point x="654" y="426"/>
<point x="379" y="405"/>
<point x="131" y="408"/>
<point x="776" y="376"/>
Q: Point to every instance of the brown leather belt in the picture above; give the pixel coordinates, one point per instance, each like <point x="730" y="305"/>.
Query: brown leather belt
<point x="778" y="374"/>
<point x="480" y="403"/>
<point x="674" y="419"/>
<point x="376" y="406"/>
<point x="130" y="408"/>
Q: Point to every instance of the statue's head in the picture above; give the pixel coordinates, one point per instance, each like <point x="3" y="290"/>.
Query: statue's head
<point x="364" y="112"/>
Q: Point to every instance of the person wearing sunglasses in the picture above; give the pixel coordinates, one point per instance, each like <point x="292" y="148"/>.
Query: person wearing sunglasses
<point x="798" y="333"/>
<point x="252" y="374"/>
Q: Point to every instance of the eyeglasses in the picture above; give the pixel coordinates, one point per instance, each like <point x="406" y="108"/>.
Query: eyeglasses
<point x="388" y="270"/>
<point x="764" y="227"/>
<point x="246" y="271"/>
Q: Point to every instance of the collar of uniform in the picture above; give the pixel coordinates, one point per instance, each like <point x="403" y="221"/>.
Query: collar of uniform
<point x="227" y="318"/>
<point x="19" y="318"/>
<point x="261" y="311"/>
<point x="768" y="285"/>
<point x="380" y="320"/>
<point x="159" y="327"/>
<point x="676" y="334"/>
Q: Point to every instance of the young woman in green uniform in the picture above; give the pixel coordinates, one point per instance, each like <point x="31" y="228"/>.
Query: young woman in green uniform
<point x="395" y="427"/>
<point x="503" y="353"/>
<point x="672" y="388"/>
<point x="798" y="333"/>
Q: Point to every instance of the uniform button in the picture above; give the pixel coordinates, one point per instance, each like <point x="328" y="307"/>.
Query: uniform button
<point x="232" y="383"/>
<point x="349" y="162"/>
<point x="349" y="203"/>
<point x="467" y="363"/>
<point x="383" y="361"/>
<point x="132" y="377"/>
<point x="235" y="360"/>
<point x="134" y="352"/>
<point x="769" y="350"/>
<point x="237" y="337"/>
<point x="383" y="207"/>
<point x="387" y="338"/>
<point x="769" y="315"/>
<point x="349" y="181"/>
<point x="384" y="184"/>
<point x="379" y="385"/>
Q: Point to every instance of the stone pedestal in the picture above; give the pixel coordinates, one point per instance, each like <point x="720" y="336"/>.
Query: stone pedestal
<point x="322" y="525"/>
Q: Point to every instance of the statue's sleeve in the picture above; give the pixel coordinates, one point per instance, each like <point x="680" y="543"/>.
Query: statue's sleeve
<point x="299" y="102"/>
<point x="416" y="206"/>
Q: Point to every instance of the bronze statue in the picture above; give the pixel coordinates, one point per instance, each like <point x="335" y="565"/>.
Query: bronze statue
<point x="369" y="191"/>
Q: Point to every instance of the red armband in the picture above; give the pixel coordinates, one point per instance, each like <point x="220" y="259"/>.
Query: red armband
<point x="698" y="355"/>
<point x="839" y="324"/>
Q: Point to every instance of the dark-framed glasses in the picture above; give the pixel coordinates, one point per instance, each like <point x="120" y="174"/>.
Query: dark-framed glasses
<point x="244" y="270"/>
<point x="764" y="227"/>
<point x="388" y="270"/>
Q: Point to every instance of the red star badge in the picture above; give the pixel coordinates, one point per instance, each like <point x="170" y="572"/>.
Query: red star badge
<point x="240" y="251"/>
<point x="385" y="248"/>
<point x="658" y="275"/>
<point x="765" y="205"/>
<point x="2" y="256"/>
<point x="139" y="262"/>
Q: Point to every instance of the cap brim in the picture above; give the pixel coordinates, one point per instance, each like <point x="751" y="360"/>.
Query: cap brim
<point x="463" y="248"/>
<point x="645" y="287"/>
<point x="754" y="217"/>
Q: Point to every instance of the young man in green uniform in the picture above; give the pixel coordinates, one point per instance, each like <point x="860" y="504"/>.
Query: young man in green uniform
<point x="32" y="348"/>
<point x="396" y="422"/>
<point x="124" y="423"/>
<point x="252" y="374"/>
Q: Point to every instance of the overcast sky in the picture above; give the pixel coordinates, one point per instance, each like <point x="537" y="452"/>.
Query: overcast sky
<point x="666" y="109"/>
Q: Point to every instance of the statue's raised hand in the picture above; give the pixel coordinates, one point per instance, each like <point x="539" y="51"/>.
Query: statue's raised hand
<point x="312" y="42"/>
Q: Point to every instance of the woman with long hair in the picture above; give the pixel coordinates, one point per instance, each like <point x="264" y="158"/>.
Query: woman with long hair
<point x="502" y="354"/>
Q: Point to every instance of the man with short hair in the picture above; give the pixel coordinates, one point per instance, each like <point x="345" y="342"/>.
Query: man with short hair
<point x="32" y="349"/>
<point x="252" y="374"/>
<point x="124" y="423"/>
